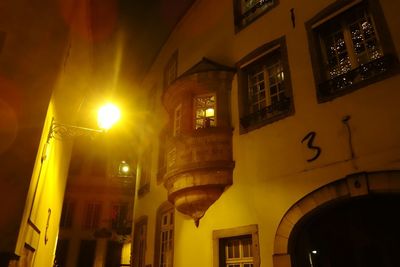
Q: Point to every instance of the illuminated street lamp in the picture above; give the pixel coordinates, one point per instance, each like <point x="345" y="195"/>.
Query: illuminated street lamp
<point x="124" y="170"/>
<point x="107" y="116"/>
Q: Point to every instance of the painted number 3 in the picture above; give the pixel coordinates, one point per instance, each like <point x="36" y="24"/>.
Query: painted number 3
<point x="310" y="137"/>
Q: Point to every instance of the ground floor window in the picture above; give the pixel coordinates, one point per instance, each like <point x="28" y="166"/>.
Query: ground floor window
<point x="164" y="241"/>
<point x="236" y="247"/>
<point x="237" y="251"/>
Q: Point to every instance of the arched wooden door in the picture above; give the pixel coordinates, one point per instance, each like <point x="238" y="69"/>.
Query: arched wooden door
<point x="353" y="222"/>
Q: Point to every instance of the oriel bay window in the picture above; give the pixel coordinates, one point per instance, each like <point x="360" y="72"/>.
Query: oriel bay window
<point x="264" y="86"/>
<point x="350" y="50"/>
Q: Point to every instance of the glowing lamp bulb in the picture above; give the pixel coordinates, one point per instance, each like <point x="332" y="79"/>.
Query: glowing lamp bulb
<point x="124" y="168"/>
<point x="108" y="115"/>
<point x="209" y="112"/>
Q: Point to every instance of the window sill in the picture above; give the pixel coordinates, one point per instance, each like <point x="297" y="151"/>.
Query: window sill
<point x="266" y="116"/>
<point x="362" y="76"/>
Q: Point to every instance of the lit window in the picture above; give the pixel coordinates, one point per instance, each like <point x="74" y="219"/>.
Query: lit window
<point x="350" y="51"/>
<point x="177" y="120"/>
<point x="247" y="11"/>
<point x="67" y="214"/>
<point x="264" y="86"/>
<point x="92" y="216"/>
<point x="205" y="111"/>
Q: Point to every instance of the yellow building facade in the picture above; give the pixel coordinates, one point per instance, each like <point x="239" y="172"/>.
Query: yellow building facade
<point x="277" y="118"/>
<point x="95" y="225"/>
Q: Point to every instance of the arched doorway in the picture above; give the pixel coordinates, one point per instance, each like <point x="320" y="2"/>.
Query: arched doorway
<point x="350" y="222"/>
<point x="359" y="232"/>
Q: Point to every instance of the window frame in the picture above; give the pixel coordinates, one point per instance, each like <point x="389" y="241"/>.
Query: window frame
<point x="68" y="214"/>
<point x="94" y="217"/>
<point x="223" y="234"/>
<point x="195" y="97"/>
<point x="166" y="207"/>
<point x="162" y="157"/>
<point x="177" y="120"/>
<point x="171" y="64"/>
<point x="261" y="56"/>
<point x="140" y="241"/>
<point x="238" y="14"/>
<point x="122" y="215"/>
<point x="338" y="10"/>
<point x="241" y="259"/>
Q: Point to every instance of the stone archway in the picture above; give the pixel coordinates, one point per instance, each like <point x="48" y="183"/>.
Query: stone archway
<point x="355" y="185"/>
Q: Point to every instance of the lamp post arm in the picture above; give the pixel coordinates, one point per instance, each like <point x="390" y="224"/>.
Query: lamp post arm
<point x="60" y="131"/>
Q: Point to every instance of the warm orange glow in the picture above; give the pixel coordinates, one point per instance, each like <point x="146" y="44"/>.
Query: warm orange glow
<point x="209" y="112"/>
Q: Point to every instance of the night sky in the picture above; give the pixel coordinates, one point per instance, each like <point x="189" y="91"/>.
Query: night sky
<point x="148" y="25"/>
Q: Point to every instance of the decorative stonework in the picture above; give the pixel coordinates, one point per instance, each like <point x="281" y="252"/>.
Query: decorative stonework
<point x="199" y="170"/>
<point x="198" y="162"/>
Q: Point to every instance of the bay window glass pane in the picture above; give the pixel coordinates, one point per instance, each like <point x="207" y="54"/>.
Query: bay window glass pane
<point x="205" y="111"/>
<point x="365" y="42"/>
<point x="338" y="58"/>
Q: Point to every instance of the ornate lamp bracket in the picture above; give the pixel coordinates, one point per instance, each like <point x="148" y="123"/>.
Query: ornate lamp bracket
<point x="60" y="131"/>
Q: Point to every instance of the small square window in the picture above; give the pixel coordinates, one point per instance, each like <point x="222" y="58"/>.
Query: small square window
<point x="246" y="11"/>
<point x="348" y="50"/>
<point x="264" y="86"/>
